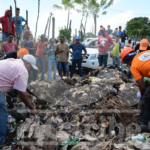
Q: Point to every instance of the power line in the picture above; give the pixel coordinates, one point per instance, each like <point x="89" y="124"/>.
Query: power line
<point x="126" y="11"/>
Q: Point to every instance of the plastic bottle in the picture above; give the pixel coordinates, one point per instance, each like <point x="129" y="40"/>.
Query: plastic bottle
<point x="70" y="142"/>
<point x="138" y="137"/>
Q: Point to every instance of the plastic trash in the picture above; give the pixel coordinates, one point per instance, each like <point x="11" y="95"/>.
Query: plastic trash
<point x="70" y="142"/>
<point x="105" y="124"/>
<point x="146" y="79"/>
<point x="11" y="120"/>
<point x="139" y="95"/>
<point x="138" y="137"/>
<point x="113" y="133"/>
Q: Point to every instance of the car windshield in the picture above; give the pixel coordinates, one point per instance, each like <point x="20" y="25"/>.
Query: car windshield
<point x="92" y="44"/>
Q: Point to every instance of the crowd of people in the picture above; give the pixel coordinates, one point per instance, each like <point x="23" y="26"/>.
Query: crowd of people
<point x="57" y="53"/>
<point x="113" y="42"/>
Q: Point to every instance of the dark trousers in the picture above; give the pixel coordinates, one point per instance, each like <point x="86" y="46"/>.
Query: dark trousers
<point x="102" y="59"/>
<point x="74" y="62"/>
<point x="145" y="107"/>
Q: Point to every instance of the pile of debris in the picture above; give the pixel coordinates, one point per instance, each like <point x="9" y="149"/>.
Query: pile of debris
<point x="99" y="111"/>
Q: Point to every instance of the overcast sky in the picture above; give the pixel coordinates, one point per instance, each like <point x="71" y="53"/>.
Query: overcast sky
<point x="118" y="14"/>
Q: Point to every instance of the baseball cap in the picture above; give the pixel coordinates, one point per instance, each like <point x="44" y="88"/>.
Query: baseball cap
<point x="27" y="32"/>
<point x="124" y="30"/>
<point x="61" y="37"/>
<point x="77" y="38"/>
<point x="30" y="59"/>
<point x="144" y="44"/>
<point x="22" y="52"/>
<point x="102" y="28"/>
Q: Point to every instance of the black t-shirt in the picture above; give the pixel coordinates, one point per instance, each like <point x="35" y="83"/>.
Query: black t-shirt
<point x="11" y="54"/>
<point x="124" y="38"/>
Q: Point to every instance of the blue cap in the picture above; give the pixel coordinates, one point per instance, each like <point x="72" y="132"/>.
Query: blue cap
<point x="77" y="38"/>
<point x="124" y="30"/>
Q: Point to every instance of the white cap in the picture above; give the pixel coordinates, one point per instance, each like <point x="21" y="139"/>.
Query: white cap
<point x="30" y="59"/>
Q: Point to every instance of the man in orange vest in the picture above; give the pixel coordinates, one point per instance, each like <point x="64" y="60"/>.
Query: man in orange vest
<point x="140" y="68"/>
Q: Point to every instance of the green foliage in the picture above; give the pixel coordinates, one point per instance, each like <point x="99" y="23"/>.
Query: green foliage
<point x="89" y="35"/>
<point x="138" y="26"/>
<point x="81" y="35"/>
<point x="64" y="31"/>
<point x="96" y="7"/>
<point x="57" y="7"/>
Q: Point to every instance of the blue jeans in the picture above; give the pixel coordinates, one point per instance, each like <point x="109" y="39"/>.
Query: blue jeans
<point x="4" y="38"/>
<point x="52" y="63"/>
<point x="3" y="119"/>
<point x="102" y="59"/>
<point x="116" y="60"/>
<point x="74" y="62"/>
<point x="42" y="61"/>
<point x="62" y="66"/>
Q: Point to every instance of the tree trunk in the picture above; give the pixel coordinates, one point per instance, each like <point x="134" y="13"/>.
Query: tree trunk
<point x="68" y="19"/>
<point x="85" y="25"/>
<point x="46" y="26"/>
<point x="37" y="18"/>
<point x="69" y="32"/>
<point x="49" y="25"/>
<point x="95" y="24"/>
<point x="76" y="32"/>
<point x="53" y="27"/>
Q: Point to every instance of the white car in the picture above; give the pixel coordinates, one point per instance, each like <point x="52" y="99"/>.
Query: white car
<point x="90" y="60"/>
<point x="86" y="41"/>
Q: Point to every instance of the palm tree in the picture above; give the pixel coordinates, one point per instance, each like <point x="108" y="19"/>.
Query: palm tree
<point x="96" y="8"/>
<point x="37" y="17"/>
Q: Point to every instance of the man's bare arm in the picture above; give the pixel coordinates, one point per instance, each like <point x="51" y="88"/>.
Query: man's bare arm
<point x="29" y="49"/>
<point x="119" y="47"/>
<point x="141" y="86"/>
<point x="70" y="52"/>
<point x="3" y="52"/>
<point x="58" y="51"/>
<point x="85" y="52"/>
<point x="33" y="48"/>
<point x="22" y="44"/>
<point x="25" y="99"/>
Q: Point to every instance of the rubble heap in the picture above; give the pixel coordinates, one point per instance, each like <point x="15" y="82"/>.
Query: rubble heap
<point x="87" y="114"/>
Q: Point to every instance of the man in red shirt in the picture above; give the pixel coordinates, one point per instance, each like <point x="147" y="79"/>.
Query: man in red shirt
<point x="5" y="25"/>
<point x="105" y="44"/>
<point x="9" y="45"/>
<point x="40" y="56"/>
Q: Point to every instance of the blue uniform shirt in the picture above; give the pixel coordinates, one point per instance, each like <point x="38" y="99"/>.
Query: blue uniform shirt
<point x="110" y="31"/>
<point x="99" y="33"/>
<point x="120" y="33"/>
<point x="77" y="50"/>
<point x="19" y="23"/>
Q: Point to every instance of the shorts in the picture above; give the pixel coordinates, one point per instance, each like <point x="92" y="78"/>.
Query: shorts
<point x="122" y="44"/>
<point x="63" y="65"/>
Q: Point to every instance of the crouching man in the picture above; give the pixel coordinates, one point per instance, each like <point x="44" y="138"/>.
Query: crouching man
<point x="14" y="75"/>
<point x="140" y="68"/>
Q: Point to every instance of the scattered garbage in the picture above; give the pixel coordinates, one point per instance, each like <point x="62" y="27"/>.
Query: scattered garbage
<point x="138" y="137"/>
<point x="99" y="111"/>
